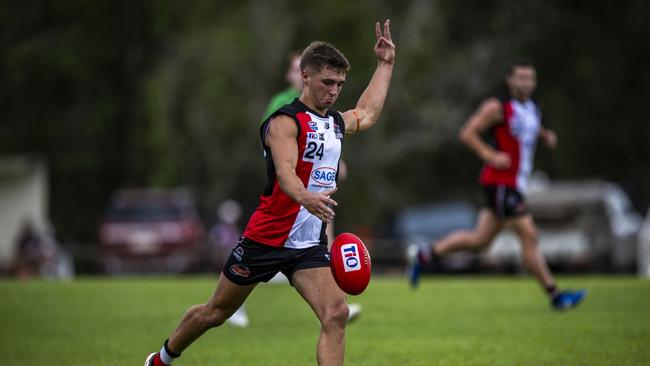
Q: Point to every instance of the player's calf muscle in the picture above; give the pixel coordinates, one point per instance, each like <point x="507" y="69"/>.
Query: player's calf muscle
<point x="205" y="317"/>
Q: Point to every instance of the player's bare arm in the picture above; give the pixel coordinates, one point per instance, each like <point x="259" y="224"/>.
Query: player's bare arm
<point x="488" y="114"/>
<point x="281" y="138"/>
<point x="371" y="102"/>
<point x="549" y="137"/>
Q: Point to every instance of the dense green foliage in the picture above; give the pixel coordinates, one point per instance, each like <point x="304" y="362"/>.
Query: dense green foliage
<point x="459" y="321"/>
<point x="151" y="93"/>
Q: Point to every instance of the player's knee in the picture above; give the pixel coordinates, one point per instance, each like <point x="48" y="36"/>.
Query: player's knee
<point x="529" y="238"/>
<point x="335" y="316"/>
<point x="479" y="241"/>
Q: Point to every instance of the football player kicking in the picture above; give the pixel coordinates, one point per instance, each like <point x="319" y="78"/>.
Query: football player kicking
<point x="302" y="146"/>
<point x="514" y="123"/>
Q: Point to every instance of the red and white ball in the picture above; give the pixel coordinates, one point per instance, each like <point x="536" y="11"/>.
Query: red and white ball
<point x="350" y="263"/>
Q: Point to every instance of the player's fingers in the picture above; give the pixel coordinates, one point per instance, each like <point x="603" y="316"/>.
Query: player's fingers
<point x="378" y="44"/>
<point x="330" y="192"/>
<point x="500" y="162"/>
<point x="323" y="214"/>
<point x="384" y="43"/>
<point x="321" y="206"/>
<point x="387" y="29"/>
<point x="387" y="42"/>
<point x="327" y="209"/>
<point x="377" y="30"/>
<point x="330" y="202"/>
<point x="326" y="215"/>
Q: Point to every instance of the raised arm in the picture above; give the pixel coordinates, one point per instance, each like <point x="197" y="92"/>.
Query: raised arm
<point x="369" y="106"/>
<point x="281" y="139"/>
<point x="487" y="115"/>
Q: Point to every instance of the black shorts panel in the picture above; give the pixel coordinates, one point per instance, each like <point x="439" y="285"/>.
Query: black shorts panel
<point x="251" y="262"/>
<point x="505" y="202"/>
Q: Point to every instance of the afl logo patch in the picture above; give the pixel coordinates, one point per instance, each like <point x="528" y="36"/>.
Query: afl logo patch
<point x="337" y="132"/>
<point x="238" y="253"/>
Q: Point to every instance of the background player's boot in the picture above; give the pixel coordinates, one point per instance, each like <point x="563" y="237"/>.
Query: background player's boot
<point x="354" y="311"/>
<point x="239" y="318"/>
<point x="568" y="299"/>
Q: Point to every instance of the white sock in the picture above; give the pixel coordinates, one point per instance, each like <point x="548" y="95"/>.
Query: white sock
<point x="165" y="357"/>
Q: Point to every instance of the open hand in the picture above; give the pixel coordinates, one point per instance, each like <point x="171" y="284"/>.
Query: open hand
<point x="320" y="204"/>
<point x="550" y="138"/>
<point x="500" y="160"/>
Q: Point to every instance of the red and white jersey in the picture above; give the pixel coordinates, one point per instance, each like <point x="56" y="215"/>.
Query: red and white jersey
<point x="516" y="136"/>
<point x="280" y="221"/>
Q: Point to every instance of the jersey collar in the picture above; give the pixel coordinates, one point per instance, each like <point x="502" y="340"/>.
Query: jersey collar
<point x="311" y="110"/>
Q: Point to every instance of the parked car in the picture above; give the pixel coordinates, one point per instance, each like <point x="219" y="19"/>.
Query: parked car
<point x="150" y="231"/>
<point x="582" y="226"/>
<point x="428" y="223"/>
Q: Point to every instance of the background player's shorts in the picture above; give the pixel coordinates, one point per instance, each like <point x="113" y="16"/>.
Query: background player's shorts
<point x="505" y="202"/>
<point x="251" y="262"/>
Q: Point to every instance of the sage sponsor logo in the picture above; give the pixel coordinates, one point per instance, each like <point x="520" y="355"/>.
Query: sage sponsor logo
<point x="324" y="176"/>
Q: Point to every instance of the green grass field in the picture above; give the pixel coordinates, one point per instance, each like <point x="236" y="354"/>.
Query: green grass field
<point x="448" y="321"/>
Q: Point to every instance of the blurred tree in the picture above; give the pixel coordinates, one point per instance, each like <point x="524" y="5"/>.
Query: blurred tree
<point x="150" y="93"/>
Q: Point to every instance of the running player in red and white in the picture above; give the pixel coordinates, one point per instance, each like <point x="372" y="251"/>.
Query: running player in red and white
<point x="514" y="123"/>
<point x="302" y="146"/>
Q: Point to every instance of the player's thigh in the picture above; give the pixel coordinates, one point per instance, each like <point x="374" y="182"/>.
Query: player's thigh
<point x="229" y="296"/>
<point x="317" y="287"/>
<point x="488" y="225"/>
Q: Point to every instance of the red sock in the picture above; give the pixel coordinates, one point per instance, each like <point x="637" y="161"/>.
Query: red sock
<point x="552" y="291"/>
<point x="157" y="361"/>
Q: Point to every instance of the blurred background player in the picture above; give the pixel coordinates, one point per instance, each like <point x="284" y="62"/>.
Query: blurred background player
<point x="514" y="124"/>
<point x="223" y="236"/>
<point x="38" y="254"/>
<point x="293" y="77"/>
<point x="286" y="231"/>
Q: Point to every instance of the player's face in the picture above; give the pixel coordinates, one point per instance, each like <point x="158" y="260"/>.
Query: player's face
<point x="323" y="86"/>
<point x="522" y="82"/>
<point x="294" y="76"/>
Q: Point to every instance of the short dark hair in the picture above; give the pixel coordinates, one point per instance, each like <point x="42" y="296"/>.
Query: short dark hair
<point x="520" y="62"/>
<point x="321" y="54"/>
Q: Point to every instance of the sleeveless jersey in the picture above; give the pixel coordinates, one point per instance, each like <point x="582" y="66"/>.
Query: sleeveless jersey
<point x="279" y="221"/>
<point x="516" y="136"/>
